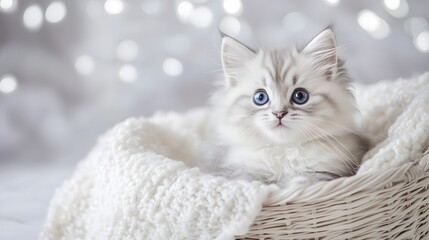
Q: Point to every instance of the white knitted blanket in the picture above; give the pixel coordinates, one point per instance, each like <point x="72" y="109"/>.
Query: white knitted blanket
<point x="139" y="181"/>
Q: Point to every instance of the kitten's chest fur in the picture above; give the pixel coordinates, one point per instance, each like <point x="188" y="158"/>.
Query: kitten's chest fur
<point x="313" y="160"/>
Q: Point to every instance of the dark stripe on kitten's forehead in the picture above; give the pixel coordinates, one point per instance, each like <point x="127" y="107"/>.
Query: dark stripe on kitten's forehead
<point x="272" y="75"/>
<point x="277" y="58"/>
<point x="278" y="62"/>
<point x="282" y="61"/>
<point x="287" y="70"/>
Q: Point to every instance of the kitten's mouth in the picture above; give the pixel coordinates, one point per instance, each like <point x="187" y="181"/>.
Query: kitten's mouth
<point x="280" y="125"/>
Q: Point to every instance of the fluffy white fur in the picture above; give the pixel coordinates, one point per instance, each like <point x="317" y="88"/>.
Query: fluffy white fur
<point x="315" y="140"/>
<point x="139" y="183"/>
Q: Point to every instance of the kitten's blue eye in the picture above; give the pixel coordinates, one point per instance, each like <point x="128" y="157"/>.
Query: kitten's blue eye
<point x="300" y="96"/>
<point x="260" y="98"/>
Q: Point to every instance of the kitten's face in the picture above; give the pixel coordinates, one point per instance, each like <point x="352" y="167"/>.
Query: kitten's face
<point x="284" y="96"/>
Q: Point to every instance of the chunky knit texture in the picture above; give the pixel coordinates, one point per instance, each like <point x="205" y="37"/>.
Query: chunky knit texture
<point x="396" y="120"/>
<point x="140" y="180"/>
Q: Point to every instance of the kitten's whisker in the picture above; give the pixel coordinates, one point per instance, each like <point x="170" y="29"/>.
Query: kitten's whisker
<point x="328" y="140"/>
<point x="335" y="140"/>
<point x="330" y="135"/>
<point x="339" y="169"/>
<point x="336" y="124"/>
<point x="246" y="130"/>
<point x="251" y="131"/>
<point x="304" y="132"/>
<point x="333" y="151"/>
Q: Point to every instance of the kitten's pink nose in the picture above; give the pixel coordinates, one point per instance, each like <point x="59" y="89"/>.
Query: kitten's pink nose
<point x="280" y="114"/>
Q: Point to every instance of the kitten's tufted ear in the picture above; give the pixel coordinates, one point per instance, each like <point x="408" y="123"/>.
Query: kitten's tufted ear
<point x="324" y="51"/>
<point x="234" y="57"/>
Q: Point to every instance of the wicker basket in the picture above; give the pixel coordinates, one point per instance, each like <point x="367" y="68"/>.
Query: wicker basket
<point x="392" y="204"/>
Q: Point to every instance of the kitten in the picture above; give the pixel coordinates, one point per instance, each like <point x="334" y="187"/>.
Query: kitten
<point x="286" y="114"/>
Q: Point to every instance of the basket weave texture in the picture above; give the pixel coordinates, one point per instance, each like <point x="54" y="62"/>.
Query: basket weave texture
<point x="390" y="205"/>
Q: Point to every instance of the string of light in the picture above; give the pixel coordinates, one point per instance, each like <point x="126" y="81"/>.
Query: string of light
<point x="198" y="14"/>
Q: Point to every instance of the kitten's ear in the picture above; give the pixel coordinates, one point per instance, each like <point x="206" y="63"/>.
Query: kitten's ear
<point x="234" y="57"/>
<point x="323" y="49"/>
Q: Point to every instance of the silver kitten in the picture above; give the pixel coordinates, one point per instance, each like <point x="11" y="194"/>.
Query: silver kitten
<point x="286" y="114"/>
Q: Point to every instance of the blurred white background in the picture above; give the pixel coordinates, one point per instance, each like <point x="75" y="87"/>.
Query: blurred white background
<point x="70" y="70"/>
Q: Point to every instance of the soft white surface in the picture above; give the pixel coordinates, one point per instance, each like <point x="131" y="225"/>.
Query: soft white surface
<point x="24" y="198"/>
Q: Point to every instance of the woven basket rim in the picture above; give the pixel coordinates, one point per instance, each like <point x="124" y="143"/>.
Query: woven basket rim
<point x="346" y="186"/>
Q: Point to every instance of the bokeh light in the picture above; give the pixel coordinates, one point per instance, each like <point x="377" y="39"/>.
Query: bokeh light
<point x="8" y="83"/>
<point x="172" y="67"/>
<point x="397" y="8"/>
<point x="201" y="17"/>
<point x="184" y="10"/>
<point x="127" y="50"/>
<point x="233" y="6"/>
<point x="128" y="73"/>
<point x="422" y="42"/>
<point x="84" y="65"/>
<point x="332" y="2"/>
<point x="373" y="24"/>
<point x="7" y="5"/>
<point x="392" y="4"/>
<point x="114" y="6"/>
<point x="230" y="25"/>
<point x="33" y="17"/>
<point x="55" y="12"/>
